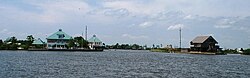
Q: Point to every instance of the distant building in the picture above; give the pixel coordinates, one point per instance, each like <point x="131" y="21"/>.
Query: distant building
<point x="169" y="46"/>
<point x="94" y="42"/>
<point x="204" y="44"/>
<point x="38" y="43"/>
<point x="58" y="40"/>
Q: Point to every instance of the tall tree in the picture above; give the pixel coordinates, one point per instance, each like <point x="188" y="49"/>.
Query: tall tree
<point x="71" y="44"/>
<point x="1" y="44"/>
<point x="13" y="40"/>
<point x="81" y="42"/>
<point x="28" y="42"/>
<point x="30" y="38"/>
<point x="13" y="45"/>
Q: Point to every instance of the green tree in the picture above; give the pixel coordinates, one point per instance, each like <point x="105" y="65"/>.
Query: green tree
<point x="135" y="46"/>
<point x="11" y="43"/>
<point x="71" y="43"/>
<point x="81" y="42"/>
<point x="1" y="44"/>
<point x="13" y="47"/>
<point x="117" y="46"/>
<point x="30" y="38"/>
<point x="246" y="52"/>
<point x="13" y="40"/>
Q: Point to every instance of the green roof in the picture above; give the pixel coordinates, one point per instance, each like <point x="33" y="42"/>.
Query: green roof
<point x="94" y="39"/>
<point x="38" y="41"/>
<point x="59" y="35"/>
<point x="7" y="39"/>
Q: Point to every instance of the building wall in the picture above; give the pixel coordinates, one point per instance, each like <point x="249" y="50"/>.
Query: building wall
<point x="94" y="44"/>
<point x="57" y="44"/>
<point x="207" y="46"/>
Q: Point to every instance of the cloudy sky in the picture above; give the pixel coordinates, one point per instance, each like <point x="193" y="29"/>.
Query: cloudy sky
<point x="130" y="21"/>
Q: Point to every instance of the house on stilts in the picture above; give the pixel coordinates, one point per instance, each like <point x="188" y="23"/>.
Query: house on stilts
<point x="204" y="44"/>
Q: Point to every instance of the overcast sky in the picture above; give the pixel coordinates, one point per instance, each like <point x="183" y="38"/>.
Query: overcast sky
<point x="130" y="21"/>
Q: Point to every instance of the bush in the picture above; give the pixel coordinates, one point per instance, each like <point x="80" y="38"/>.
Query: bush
<point x="246" y="52"/>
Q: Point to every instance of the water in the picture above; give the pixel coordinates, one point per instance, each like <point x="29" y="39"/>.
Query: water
<point x="113" y="64"/>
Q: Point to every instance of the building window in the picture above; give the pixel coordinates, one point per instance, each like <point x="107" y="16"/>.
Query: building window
<point x="61" y="35"/>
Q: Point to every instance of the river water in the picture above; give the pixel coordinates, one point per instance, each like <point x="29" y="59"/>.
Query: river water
<point x="116" y="64"/>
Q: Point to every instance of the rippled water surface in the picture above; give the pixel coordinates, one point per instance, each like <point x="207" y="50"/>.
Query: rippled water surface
<point x="113" y="64"/>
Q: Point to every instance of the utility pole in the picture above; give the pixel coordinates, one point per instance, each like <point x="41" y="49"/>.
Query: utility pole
<point x="86" y="33"/>
<point x="180" y="38"/>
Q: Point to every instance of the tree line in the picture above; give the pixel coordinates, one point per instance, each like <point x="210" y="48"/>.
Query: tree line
<point x="127" y="46"/>
<point x="12" y="43"/>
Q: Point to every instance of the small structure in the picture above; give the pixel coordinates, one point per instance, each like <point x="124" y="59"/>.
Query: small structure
<point x="204" y="44"/>
<point x="38" y="43"/>
<point x="94" y="42"/>
<point x="58" y="40"/>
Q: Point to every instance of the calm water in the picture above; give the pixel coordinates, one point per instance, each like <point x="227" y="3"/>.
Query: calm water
<point x="113" y="64"/>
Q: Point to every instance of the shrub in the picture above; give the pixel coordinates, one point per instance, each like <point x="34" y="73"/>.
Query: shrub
<point x="247" y="52"/>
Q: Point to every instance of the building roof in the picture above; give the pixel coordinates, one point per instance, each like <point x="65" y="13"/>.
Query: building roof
<point x="38" y="41"/>
<point x="59" y="35"/>
<point x="94" y="39"/>
<point x="7" y="39"/>
<point x="201" y="39"/>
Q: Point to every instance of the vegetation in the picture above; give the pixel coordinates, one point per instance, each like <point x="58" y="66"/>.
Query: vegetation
<point x="78" y="42"/>
<point x="13" y="43"/>
<point x="166" y="50"/>
<point x="230" y="51"/>
<point x="126" y="46"/>
<point x="246" y="52"/>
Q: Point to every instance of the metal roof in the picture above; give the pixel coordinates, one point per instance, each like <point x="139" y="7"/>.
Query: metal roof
<point x="59" y="35"/>
<point x="201" y="39"/>
<point x="38" y="41"/>
<point x="94" y="39"/>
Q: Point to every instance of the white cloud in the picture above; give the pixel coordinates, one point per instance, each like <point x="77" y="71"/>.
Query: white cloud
<point x="189" y="17"/>
<point x="134" y="37"/>
<point x="146" y="24"/>
<point x="225" y="23"/>
<point x="177" y="26"/>
<point x="117" y="12"/>
<point x="137" y="7"/>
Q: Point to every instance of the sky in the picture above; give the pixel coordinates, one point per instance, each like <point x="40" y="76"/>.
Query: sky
<point x="145" y="22"/>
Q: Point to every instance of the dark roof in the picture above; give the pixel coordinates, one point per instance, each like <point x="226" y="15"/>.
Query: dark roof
<point x="202" y="39"/>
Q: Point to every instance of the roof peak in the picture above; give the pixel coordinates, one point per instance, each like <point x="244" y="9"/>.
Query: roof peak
<point x="94" y="39"/>
<point x="201" y="39"/>
<point x="59" y="35"/>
